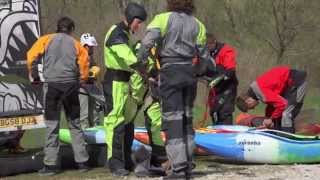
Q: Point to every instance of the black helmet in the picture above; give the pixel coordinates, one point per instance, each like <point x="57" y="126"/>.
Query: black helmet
<point x="135" y="10"/>
<point x="65" y="25"/>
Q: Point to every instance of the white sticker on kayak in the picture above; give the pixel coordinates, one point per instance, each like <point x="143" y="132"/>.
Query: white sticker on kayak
<point x="258" y="148"/>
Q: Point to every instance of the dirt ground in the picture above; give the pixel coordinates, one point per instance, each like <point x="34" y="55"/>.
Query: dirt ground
<point x="260" y="172"/>
<point x="207" y="168"/>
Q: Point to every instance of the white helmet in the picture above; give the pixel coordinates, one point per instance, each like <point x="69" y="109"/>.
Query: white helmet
<point x="88" y="39"/>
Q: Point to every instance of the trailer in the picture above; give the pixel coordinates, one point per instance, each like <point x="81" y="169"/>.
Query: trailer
<point x="20" y="101"/>
<point x="21" y="105"/>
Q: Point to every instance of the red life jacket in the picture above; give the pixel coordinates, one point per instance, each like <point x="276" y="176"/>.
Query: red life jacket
<point x="226" y="57"/>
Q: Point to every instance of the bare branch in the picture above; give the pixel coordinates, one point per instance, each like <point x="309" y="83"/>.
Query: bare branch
<point x="268" y="41"/>
<point x="230" y="14"/>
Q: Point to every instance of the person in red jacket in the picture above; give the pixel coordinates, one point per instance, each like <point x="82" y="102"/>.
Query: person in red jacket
<point x="282" y="89"/>
<point x="224" y="85"/>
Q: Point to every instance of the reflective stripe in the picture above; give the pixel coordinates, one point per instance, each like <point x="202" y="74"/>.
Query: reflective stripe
<point x="301" y="92"/>
<point x="174" y="115"/>
<point x="286" y="120"/>
<point x="175" y="63"/>
<point x="256" y="89"/>
<point x="175" y="141"/>
<point x="188" y="112"/>
<point x="160" y="21"/>
<point x="202" y="37"/>
<point x="119" y="75"/>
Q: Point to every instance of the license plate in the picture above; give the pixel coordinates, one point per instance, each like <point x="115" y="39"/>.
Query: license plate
<point x="21" y="123"/>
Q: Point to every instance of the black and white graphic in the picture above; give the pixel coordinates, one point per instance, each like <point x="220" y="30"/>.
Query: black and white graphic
<point x="19" y="29"/>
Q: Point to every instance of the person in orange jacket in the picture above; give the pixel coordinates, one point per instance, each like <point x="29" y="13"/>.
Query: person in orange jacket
<point x="63" y="60"/>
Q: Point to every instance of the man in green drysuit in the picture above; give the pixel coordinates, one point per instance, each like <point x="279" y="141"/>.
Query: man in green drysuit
<point x="120" y="60"/>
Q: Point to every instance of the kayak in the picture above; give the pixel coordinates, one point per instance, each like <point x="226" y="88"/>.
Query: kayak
<point x="228" y="128"/>
<point x="262" y="146"/>
<point x="141" y="135"/>
<point x="96" y="135"/>
<point x="238" y="143"/>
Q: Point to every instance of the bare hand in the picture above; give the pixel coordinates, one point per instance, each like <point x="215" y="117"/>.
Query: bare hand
<point x="268" y="123"/>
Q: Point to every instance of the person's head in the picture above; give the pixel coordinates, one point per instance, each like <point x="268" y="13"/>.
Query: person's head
<point x="88" y="41"/>
<point x="245" y="102"/>
<point x="211" y="41"/>
<point x="65" y="25"/>
<point x="185" y="6"/>
<point x="135" y="15"/>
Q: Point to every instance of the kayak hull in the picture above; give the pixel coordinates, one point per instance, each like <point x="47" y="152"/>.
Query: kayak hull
<point x="260" y="147"/>
<point x="235" y="143"/>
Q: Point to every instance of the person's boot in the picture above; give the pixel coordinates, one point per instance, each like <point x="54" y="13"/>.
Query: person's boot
<point x="142" y="169"/>
<point x="129" y="165"/>
<point x="49" y="170"/>
<point x="83" y="167"/>
<point x="145" y="169"/>
<point x="17" y="149"/>
<point x="175" y="175"/>
<point x="120" y="172"/>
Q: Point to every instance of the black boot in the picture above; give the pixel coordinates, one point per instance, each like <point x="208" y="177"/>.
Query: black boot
<point x="144" y="169"/>
<point x="83" y="167"/>
<point x="176" y="175"/>
<point x="120" y="172"/>
<point x="49" y="170"/>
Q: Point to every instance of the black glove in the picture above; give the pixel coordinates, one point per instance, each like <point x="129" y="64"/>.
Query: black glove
<point x="91" y="80"/>
<point x="35" y="71"/>
<point x="217" y="80"/>
<point x="141" y="69"/>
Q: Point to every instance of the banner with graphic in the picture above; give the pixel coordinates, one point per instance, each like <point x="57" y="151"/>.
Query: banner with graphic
<point x="19" y="29"/>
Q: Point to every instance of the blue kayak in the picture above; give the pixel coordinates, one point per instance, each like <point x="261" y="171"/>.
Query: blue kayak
<point x="238" y="143"/>
<point x="262" y="146"/>
<point x="96" y="135"/>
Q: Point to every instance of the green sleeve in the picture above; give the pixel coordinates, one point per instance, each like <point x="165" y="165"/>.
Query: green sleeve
<point x="120" y="55"/>
<point x="201" y="38"/>
<point x="137" y="87"/>
<point x="160" y="21"/>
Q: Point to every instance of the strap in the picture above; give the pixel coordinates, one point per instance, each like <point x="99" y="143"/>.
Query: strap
<point x="118" y="75"/>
